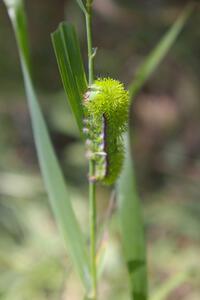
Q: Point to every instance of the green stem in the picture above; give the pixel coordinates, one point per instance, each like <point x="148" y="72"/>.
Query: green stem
<point x="92" y="212"/>
<point x="92" y="184"/>
<point x="88" y="17"/>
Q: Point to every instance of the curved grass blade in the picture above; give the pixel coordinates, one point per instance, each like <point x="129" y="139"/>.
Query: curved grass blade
<point x="70" y="64"/>
<point x="53" y="177"/>
<point x="170" y="285"/>
<point x="130" y="215"/>
<point x="157" y="55"/>
<point x="131" y="223"/>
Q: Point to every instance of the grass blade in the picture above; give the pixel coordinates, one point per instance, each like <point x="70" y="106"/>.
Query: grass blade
<point x="53" y="177"/>
<point x="130" y="215"/>
<point x="156" y="56"/>
<point x="82" y="6"/>
<point x="131" y="223"/>
<point x="170" y="285"/>
<point x="70" y="64"/>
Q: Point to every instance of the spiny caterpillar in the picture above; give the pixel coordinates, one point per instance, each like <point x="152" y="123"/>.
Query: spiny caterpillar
<point x="106" y="106"/>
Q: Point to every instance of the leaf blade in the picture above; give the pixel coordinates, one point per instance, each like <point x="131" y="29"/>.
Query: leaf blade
<point x="159" y="52"/>
<point x="131" y="223"/>
<point x="68" y="55"/>
<point x="170" y="285"/>
<point x="82" y="6"/>
<point x="52" y="175"/>
<point x="130" y="214"/>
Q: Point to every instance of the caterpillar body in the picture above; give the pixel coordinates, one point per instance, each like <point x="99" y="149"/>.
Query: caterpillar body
<point x="106" y="106"/>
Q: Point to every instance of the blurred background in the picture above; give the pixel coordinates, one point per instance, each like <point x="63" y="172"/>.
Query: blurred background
<point x="166" y="149"/>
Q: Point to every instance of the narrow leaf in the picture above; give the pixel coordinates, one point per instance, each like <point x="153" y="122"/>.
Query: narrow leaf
<point x="131" y="223"/>
<point x="130" y="215"/>
<point x="53" y="177"/>
<point x="156" y="56"/>
<point x="82" y="6"/>
<point x="70" y="64"/>
<point x="170" y="285"/>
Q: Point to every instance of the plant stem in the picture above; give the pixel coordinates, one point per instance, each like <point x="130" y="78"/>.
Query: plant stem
<point x="88" y="17"/>
<point x="92" y="184"/>
<point x="92" y="212"/>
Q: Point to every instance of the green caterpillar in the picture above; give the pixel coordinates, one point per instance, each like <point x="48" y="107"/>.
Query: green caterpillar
<point x="106" y="106"/>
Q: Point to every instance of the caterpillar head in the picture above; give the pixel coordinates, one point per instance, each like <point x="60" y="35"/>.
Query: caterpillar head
<point x="106" y="106"/>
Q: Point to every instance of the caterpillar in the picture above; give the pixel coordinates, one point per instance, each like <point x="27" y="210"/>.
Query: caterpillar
<point x="106" y="106"/>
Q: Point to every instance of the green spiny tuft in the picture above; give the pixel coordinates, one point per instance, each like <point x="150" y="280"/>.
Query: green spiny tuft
<point x="106" y="106"/>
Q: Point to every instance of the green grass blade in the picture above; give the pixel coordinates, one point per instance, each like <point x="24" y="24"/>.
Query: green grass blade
<point x="53" y="177"/>
<point x="131" y="223"/>
<point x="82" y="6"/>
<point x="156" y="56"/>
<point x="70" y="64"/>
<point x="170" y="285"/>
<point x="130" y="215"/>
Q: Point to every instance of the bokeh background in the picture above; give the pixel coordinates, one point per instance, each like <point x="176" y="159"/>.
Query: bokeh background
<point x="166" y="149"/>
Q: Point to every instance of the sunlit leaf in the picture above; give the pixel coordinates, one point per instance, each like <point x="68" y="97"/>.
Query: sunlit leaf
<point x="53" y="177"/>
